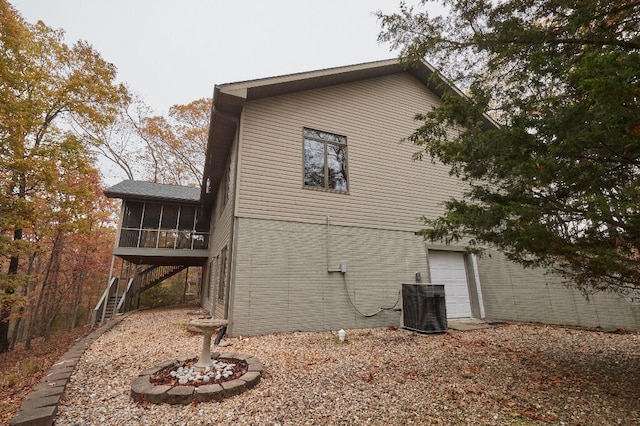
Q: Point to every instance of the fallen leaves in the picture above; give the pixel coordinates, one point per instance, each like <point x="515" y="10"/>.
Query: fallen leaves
<point x="23" y="369"/>
<point x="512" y="374"/>
<point x="369" y="377"/>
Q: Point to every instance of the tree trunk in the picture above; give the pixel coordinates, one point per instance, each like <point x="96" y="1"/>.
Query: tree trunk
<point x="77" y="301"/>
<point x="50" y="317"/>
<point x="16" y="330"/>
<point x="4" y="329"/>
<point x="51" y="303"/>
<point x="5" y="311"/>
<point x="19" y="324"/>
<point x="43" y="288"/>
<point x="80" y="281"/>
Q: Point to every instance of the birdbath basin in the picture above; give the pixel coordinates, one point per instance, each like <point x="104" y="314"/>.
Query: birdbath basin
<point x="207" y="326"/>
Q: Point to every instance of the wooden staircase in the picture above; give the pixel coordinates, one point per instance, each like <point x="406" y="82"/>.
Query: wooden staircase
<point x="112" y="304"/>
<point x="116" y="300"/>
<point x="155" y="274"/>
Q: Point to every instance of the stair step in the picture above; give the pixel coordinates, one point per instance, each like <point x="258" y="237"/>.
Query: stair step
<point x="146" y="276"/>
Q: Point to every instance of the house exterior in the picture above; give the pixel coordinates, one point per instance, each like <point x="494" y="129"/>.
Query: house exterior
<point x="315" y="201"/>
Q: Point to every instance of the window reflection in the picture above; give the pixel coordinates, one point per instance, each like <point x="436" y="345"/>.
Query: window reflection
<point x="336" y="164"/>
<point x="325" y="160"/>
<point x="313" y="163"/>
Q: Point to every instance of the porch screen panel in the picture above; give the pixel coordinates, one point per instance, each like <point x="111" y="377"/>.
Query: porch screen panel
<point x="132" y="214"/>
<point x="187" y="217"/>
<point x="202" y="219"/>
<point x="185" y="226"/>
<point x="151" y="216"/>
<point x="150" y="223"/>
<point x="201" y="236"/>
<point x="169" y="216"/>
<point x="131" y="221"/>
<point x="168" y="225"/>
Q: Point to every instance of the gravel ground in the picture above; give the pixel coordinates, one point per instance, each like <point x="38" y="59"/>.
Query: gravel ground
<point x="509" y="374"/>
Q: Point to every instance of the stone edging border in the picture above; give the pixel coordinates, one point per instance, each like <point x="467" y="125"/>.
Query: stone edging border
<point x="41" y="406"/>
<point x="143" y="390"/>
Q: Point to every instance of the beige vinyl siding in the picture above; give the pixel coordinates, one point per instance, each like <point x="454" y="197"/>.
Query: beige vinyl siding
<point x="285" y="254"/>
<point x="387" y="189"/>
<point x="282" y="282"/>
<point x="222" y="223"/>
<point x="511" y="292"/>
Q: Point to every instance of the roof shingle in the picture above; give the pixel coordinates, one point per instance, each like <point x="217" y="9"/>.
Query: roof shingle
<point x="135" y="189"/>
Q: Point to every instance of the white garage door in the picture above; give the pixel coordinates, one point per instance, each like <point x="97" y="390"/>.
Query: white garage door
<point x="447" y="267"/>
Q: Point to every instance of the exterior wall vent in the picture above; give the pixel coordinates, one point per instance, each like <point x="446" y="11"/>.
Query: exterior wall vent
<point x="423" y="308"/>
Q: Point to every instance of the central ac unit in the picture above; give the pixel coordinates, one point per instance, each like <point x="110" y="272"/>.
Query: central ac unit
<point x="423" y="308"/>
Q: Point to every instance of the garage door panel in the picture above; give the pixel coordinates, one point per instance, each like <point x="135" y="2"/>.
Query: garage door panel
<point x="448" y="268"/>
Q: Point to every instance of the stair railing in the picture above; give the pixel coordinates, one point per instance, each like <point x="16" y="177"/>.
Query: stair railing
<point x="156" y="274"/>
<point x="100" y="310"/>
<point x="125" y="297"/>
<point x="143" y="279"/>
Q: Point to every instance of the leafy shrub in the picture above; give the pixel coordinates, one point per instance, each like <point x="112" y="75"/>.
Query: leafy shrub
<point x="167" y="293"/>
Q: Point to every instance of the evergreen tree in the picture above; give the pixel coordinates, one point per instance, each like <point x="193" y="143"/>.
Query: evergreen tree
<point x="548" y="135"/>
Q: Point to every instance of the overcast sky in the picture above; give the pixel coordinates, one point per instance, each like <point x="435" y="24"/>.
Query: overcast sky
<point x="174" y="52"/>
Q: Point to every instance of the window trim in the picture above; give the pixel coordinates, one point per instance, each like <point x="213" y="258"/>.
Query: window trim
<point x="325" y="143"/>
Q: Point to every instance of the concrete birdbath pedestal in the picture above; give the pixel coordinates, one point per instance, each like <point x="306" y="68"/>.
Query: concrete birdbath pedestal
<point x="207" y="326"/>
<point x="180" y="381"/>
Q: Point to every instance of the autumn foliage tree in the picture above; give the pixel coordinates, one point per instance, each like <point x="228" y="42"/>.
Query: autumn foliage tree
<point x="47" y="177"/>
<point x="155" y="148"/>
<point x="557" y="182"/>
<point x="74" y="232"/>
<point x="177" y="144"/>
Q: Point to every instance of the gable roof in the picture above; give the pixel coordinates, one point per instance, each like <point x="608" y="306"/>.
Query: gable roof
<point x="149" y="191"/>
<point x="229" y="100"/>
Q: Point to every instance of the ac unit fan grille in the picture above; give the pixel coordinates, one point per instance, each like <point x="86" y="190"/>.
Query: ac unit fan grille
<point x="424" y="308"/>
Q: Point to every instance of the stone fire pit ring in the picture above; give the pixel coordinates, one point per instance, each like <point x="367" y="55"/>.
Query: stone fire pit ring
<point x="142" y="390"/>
